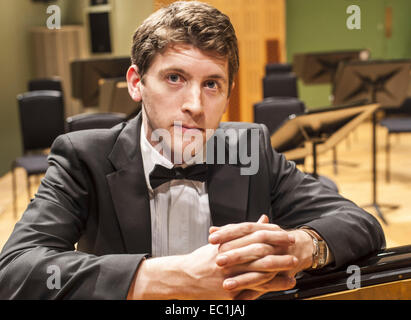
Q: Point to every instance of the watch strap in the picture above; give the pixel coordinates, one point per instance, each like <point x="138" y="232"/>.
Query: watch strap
<point x="320" y="252"/>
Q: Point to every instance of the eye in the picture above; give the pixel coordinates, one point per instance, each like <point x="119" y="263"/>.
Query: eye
<point x="174" y="78"/>
<point x="211" y="84"/>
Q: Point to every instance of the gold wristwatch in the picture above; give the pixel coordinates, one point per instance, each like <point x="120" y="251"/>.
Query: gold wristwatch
<point x="320" y="253"/>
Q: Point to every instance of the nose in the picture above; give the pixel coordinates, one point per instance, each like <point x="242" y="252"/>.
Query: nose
<point x="193" y="103"/>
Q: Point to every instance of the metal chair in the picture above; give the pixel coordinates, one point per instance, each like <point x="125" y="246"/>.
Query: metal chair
<point x="398" y="121"/>
<point x="41" y="121"/>
<point x="86" y="121"/>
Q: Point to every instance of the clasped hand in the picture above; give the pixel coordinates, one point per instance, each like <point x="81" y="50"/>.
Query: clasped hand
<point x="241" y="261"/>
<point x="256" y="257"/>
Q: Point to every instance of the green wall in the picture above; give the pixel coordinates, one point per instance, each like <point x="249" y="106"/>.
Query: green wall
<point x="320" y="25"/>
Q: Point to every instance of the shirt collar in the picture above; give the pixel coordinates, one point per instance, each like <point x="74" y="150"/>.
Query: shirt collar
<point x="151" y="157"/>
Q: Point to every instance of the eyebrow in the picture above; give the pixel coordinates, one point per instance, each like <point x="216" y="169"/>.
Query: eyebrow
<point x="184" y="73"/>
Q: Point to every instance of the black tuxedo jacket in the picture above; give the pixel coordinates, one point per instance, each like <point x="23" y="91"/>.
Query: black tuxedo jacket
<point x="94" y="195"/>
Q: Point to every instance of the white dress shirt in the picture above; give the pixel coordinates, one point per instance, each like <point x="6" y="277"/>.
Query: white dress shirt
<point x="180" y="211"/>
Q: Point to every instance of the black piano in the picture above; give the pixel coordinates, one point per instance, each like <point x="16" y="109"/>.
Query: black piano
<point x="382" y="276"/>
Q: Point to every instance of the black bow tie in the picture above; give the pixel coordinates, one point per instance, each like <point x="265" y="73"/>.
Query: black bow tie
<point x="160" y="174"/>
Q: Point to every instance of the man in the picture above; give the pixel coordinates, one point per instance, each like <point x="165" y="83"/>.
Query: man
<point x="205" y="232"/>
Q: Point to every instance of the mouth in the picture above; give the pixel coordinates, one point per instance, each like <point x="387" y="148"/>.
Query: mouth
<point x="188" y="128"/>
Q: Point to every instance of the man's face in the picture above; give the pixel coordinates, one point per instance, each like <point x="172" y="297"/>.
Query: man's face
<point x="183" y="85"/>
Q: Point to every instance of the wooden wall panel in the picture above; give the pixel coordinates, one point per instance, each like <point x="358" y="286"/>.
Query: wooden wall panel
<point x="255" y="22"/>
<point x="53" y="50"/>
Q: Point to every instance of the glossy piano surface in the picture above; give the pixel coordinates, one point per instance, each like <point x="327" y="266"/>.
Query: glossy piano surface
<point x="387" y="270"/>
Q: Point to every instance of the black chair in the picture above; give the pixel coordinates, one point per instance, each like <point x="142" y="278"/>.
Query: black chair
<point x="41" y="121"/>
<point x="274" y="68"/>
<point x="273" y="112"/>
<point x="280" y="85"/>
<point x="45" y="84"/>
<point x="86" y="121"/>
<point x="397" y="120"/>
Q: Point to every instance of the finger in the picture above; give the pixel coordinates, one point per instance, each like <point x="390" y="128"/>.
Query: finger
<point x="238" y="230"/>
<point x="269" y="263"/>
<point x="259" y="282"/>
<point x="213" y="229"/>
<point x="275" y="238"/>
<point x="279" y="283"/>
<point x="244" y="254"/>
<point x="262" y="219"/>
<point x="247" y="280"/>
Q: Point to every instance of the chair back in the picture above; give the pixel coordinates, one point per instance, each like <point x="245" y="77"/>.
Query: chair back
<point x="86" y="121"/>
<point x="280" y="85"/>
<point x="406" y="106"/>
<point x="403" y="110"/>
<point x="274" y="68"/>
<point x="41" y="118"/>
<point x="45" y="84"/>
<point x="273" y="112"/>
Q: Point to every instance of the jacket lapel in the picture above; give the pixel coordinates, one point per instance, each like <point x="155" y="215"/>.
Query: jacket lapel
<point x="227" y="189"/>
<point x="227" y="194"/>
<point x="129" y="190"/>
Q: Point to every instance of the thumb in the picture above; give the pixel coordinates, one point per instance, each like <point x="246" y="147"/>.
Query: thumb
<point x="263" y="219"/>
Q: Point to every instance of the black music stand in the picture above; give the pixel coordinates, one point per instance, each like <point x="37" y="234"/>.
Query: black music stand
<point x="321" y="67"/>
<point x="383" y="82"/>
<point x="318" y="131"/>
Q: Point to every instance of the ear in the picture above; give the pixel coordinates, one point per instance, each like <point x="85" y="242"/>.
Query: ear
<point x="134" y="83"/>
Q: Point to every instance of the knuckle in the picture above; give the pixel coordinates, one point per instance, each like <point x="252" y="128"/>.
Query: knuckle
<point x="248" y="227"/>
<point x="224" y="247"/>
<point x="260" y="248"/>
<point x="283" y="235"/>
<point x="260" y="235"/>
<point x="233" y="257"/>
<point x="276" y="227"/>
<point x="290" y="261"/>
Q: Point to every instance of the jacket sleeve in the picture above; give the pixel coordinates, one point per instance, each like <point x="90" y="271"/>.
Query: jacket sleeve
<point x="298" y="199"/>
<point x="39" y="260"/>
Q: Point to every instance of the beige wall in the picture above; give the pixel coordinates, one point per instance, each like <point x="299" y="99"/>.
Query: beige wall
<point x="16" y="18"/>
<point x="127" y="16"/>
